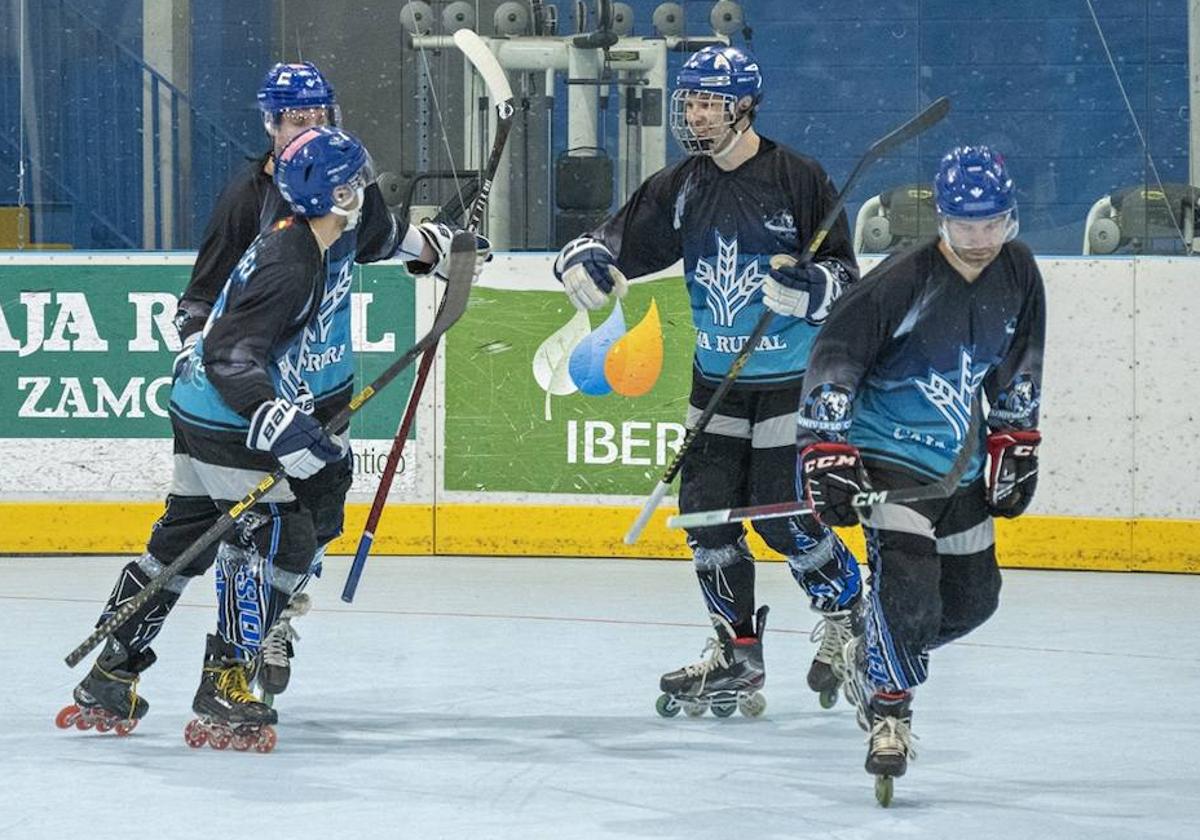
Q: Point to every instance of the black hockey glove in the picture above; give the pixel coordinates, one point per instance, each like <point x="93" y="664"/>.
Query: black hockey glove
<point x="805" y="290"/>
<point x="295" y="438"/>
<point x="1012" y="471"/>
<point x="831" y="475"/>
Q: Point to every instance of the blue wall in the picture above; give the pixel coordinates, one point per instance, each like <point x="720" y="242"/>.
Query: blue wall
<point x="1028" y="76"/>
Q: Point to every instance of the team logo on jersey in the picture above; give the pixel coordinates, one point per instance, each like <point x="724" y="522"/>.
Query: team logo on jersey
<point x="782" y="224"/>
<point x="335" y="293"/>
<point x="1017" y="403"/>
<point x="681" y="202"/>
<point x="729" y="290"/>
<point x="954" y="398"/>
<point x="826" y="409"/>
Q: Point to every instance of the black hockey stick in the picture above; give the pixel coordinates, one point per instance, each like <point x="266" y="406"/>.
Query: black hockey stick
<point x="881" y="147"/>
<point x="500" y="92"/>
<point x="940" y="489"/>
<point x="458" y="289"/>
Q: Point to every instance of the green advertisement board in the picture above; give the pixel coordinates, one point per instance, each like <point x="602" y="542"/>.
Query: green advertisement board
<point x="86" y="347"/>
<point x="506" y="431"/>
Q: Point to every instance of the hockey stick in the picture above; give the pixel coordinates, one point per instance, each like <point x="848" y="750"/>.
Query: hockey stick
<point x="903" y="134"/>
<point x="940" y="489"/>
<point x="458" y="289"/>
<point x="500" y="92"/>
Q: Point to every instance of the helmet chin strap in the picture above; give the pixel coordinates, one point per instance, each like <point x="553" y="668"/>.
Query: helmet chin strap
<point x="351" y="215"/>
<point x="735" y="138"/>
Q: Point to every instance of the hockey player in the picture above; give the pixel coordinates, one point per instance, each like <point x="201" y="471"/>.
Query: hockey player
<point x="239" y="408"/>
<point x="293" y="98"/>
<point x="736" y="200"/>
<point x="893" y="381"/>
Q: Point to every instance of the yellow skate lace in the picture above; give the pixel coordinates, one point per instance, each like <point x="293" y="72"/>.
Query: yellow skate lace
<point x="233" y="684"/>
<point x="132" y="683"/>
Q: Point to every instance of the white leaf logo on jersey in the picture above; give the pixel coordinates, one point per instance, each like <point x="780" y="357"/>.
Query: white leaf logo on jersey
<point x="728" y="291"/>
<point x="954" y="400"/>
<point x="333" y="297"/>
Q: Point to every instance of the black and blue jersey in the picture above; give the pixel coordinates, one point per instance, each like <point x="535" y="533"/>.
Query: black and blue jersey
<point x="726" y="226"/>
<point x="906" y="354"/>
<point x="251" y="203"/>
<point x="256" y="337"/>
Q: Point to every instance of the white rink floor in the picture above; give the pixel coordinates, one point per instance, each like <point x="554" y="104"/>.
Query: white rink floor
<point x="496" y="698"/>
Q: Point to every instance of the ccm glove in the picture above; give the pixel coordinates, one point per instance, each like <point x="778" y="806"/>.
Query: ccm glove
<point x="831" y="475"/>
<point x="1012" y="471"/>
<point x="800" y="290"/>
<point x="438" y="237"/>
<point x="295" y="438"/>
<point x="589" y="273"/>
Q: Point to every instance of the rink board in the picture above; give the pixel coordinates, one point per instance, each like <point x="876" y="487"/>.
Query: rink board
<point x="498" y="467"/>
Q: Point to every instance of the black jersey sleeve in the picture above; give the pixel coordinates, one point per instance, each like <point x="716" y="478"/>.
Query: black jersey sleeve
<point x="381" y="234"/>
<point x="817" y="195"/>
<point x="273" y="303"/>
<point x="234" y="223"/>
<point x="1014" y="386"/>
<point x="847" y="346"/>
<point x="642" y="235"/>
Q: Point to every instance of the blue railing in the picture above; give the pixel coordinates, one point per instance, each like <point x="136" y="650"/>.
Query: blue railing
<point x="113" y="137"/>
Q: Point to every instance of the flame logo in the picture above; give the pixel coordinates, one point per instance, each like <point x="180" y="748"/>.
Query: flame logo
<point x="609" y="359"/>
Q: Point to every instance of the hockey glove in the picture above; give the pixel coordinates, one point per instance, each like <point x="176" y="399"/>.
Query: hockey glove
<point x="295" y="438"/>
<point x="438" y="237"/>
<point x="800" y="290"/>
<point x="1012" y="471"/>
<point x="589" y="273"/>
<point x="831" y="475"/>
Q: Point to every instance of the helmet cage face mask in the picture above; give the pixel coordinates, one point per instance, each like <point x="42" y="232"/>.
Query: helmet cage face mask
<point x="711" y="124"/>
<point x="970" y="236"/>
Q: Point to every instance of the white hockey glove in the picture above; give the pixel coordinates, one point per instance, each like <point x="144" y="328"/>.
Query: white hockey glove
<point x="800" y="291"/>
<point x="589" y="273"/>
<point x="438" y="237"/>
<point x="295" y="438"/>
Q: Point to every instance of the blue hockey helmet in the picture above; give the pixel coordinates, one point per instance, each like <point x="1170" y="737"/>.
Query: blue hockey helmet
<point x="972" y="182"/>
<point x="722" y="69"/>
<point x="296" y="87"/>
<point x="976" y="203"/>
<point x="315" y="164"/>
<point x="716" y="77"/>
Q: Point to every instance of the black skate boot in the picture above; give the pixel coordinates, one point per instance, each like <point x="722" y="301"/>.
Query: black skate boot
<point x="226" y="710"/>
<point x="107" y="697"/>
<point x="275" y="656"/>
<point x="890" y="742"/>
<point x="832" y="632"/>
<point x="729" y="679"/>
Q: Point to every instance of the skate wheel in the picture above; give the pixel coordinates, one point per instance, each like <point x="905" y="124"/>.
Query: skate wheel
<point x="883" y="790"/>
<point x="124" y="727"/>
<point x="828" y="699"/>
<point x="752" y="705"/>
<point x="103" y="726"/>
<point x="694" y="709"/>
<point x="665" y="706"/>
<point x="220" y="739"/>
<point x="65" y="719"/>
<point x="266" y="740"/>
<point x="82" y="723"/>
<point x="243" y="741"/>
<point x="194" y="734"/>
<point x="724" y="708"/>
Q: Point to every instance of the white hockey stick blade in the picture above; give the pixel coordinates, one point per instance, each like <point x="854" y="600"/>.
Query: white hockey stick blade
<point x="485" y="64"/>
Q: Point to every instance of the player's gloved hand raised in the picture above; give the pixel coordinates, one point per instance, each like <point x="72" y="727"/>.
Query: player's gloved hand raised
<point x="800" y="290"/>
<point x="831" y="475"/>
<point x="1012" y="471"/>
<point x="589" y="273"/>
<point x="438" y="237"/>
<point x="295" y="438"/>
